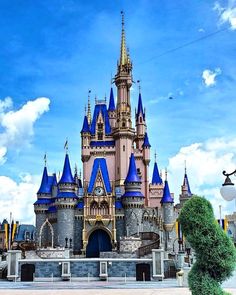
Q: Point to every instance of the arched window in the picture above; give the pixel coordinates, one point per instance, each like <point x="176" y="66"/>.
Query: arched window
<point x="94" y="208"/>
<point x="104" y="208"/>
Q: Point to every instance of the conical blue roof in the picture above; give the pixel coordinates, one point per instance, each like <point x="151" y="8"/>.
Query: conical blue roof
<point x="85" y="127"/>
<point x="186" y="183"/>
<point x="156" y="179"/>
<point x="140" y="107"/>
<point x="54" y="182"/>
<point x="132" y="175"/>
<point x="111" y="102"/>
<point x="146" y="142"/>
<point x="66" y="174"/>
<point x="166" y="198"/>
<point x="44" y="187"/>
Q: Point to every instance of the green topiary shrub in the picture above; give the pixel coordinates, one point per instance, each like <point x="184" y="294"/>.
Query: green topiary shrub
<point x="215" y="252"/>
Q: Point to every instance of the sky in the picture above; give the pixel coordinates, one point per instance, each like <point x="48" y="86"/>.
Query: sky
<point x="53" y="52"/>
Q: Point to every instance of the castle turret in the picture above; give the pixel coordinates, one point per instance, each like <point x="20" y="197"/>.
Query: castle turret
<point x="85" y="139"/>
<point x="65" y="203"/>
<point x="185" y="190"/>
<point x="123" y="133"/>
<point x="44" y="200"/>
<point x="140" y="123"/>
<point x="167" y="203"/>
<point x="156" y="188"/>
<point x="132" y="199"/>
<point x="112" y="110"/>
<point x="146" y="160"/>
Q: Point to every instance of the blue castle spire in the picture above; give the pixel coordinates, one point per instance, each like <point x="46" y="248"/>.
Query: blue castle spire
<point x="166" y="198"/>
<point x="140" y="107"/>
<point x="132" y="175"/>
<point x="146" y="142"/>
<point x="44" y="187"/>
<point x="66" y="174"/>
<point x="156" y="179"/>
<point x="111" y="102"/>
<point x="186" y="183"/>
<point x="85" y="127"/>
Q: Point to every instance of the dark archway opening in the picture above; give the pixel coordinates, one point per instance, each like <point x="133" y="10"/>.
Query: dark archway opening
<point x="27" y="272"/>
<point x="99" y="241"/>
<point x="143" y="272"/>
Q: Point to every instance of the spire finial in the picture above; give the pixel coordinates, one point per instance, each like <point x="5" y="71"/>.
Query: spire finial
<point x="89" y="108"/>
<point x="45" y="160"/>
<point x="139" y="86"/>
<point x="76" y="170"/>
<point x="85" y="110"/>
<point x="155" y="156"/>
<point x="80" y="174"/>
<point x="95" y="99"/>
<point x="166" y="173"/>
<point x="123" y="53"/>
<point x="185" y="167"/>
<point x="66" y="146"/>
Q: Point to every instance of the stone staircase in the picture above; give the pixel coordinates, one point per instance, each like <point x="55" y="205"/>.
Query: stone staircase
<point x="150" y="240"/>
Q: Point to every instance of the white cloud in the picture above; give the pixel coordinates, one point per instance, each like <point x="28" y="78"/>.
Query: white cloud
<point x="209" y="77"/>
<point x="227" y="14"/>
<point x="17" y="127"/>
<point x="18" y="198"/>
<point x="201" y="30"/>
<point x="205" y="163"/>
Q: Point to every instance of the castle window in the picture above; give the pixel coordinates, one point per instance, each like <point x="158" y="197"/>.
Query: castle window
<point x="94" y="208"/>
<point x="123" y="148"/>
<point x="140" y="120"/>
<point x="100" y="131"/>
<point x="104" y="208"/>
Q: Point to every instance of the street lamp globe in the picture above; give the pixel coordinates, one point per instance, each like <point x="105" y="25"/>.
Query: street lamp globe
<point x="228" y="191"/>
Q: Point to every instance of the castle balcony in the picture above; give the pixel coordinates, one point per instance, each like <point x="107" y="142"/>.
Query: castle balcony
<point x="99" y="217"/>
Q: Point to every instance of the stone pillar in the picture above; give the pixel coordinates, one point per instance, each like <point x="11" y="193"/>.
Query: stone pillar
<point x="13" y="264"/>
<point x="158" y="264"/>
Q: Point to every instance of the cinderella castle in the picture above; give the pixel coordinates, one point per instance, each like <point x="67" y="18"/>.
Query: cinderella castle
<point x="114" y="199"/>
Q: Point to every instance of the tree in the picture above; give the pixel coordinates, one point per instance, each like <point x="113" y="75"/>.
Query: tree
<point x="215" y="252"/>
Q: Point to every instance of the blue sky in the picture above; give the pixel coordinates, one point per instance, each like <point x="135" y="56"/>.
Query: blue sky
<point x="60" y="49"/>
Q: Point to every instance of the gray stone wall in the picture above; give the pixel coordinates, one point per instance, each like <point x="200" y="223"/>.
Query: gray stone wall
<point x="65" y="225"/>
<point x="78" y="234"/>
<point x="133" y="217"/>
<point x="120" y="229"/>
<point x="83" y="269"/>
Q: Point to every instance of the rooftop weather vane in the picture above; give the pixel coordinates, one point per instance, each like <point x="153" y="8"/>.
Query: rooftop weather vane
<point x="139" y="85"/>
<point x="45" y="159"/>
<point x="66" y="146"/>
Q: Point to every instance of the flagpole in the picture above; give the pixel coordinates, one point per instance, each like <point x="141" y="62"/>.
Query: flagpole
<point x="9" y="236"/>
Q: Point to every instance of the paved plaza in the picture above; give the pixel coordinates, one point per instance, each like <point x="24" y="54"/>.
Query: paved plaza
<point x="166" y="287"/>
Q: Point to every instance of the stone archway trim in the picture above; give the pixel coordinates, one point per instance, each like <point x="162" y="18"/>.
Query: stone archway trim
<point x="46" y="222"/>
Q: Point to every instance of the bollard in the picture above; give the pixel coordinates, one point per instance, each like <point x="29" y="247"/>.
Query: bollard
<point x="125" y="277"/>
<point x="180" y="277"/>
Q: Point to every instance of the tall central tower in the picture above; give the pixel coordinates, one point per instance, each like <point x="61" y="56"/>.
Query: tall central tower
<point x="123" y="131"/>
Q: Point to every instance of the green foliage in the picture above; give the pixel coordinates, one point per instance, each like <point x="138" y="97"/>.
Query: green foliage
<point x="215" y="252"/>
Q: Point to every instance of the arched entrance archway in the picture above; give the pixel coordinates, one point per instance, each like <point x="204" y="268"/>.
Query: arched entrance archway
<point x="99" y="241"/>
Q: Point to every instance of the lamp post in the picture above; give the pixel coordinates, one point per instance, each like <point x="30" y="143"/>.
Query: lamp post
<point x="228" y="191"/>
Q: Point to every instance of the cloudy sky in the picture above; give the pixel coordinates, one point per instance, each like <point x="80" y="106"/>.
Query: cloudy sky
<point x="52" y="52"/>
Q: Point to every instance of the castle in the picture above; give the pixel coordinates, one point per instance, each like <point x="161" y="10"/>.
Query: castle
<point x="114" y="199"/>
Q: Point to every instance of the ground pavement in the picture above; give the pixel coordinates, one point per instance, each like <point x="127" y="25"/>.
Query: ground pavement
<point x="166" y="287"/>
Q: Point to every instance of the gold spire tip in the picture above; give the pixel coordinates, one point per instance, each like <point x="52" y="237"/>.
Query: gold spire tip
<point x="45" y="159"/>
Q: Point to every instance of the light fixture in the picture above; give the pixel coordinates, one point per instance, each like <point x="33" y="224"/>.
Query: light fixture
<point x="228" y="191"/>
